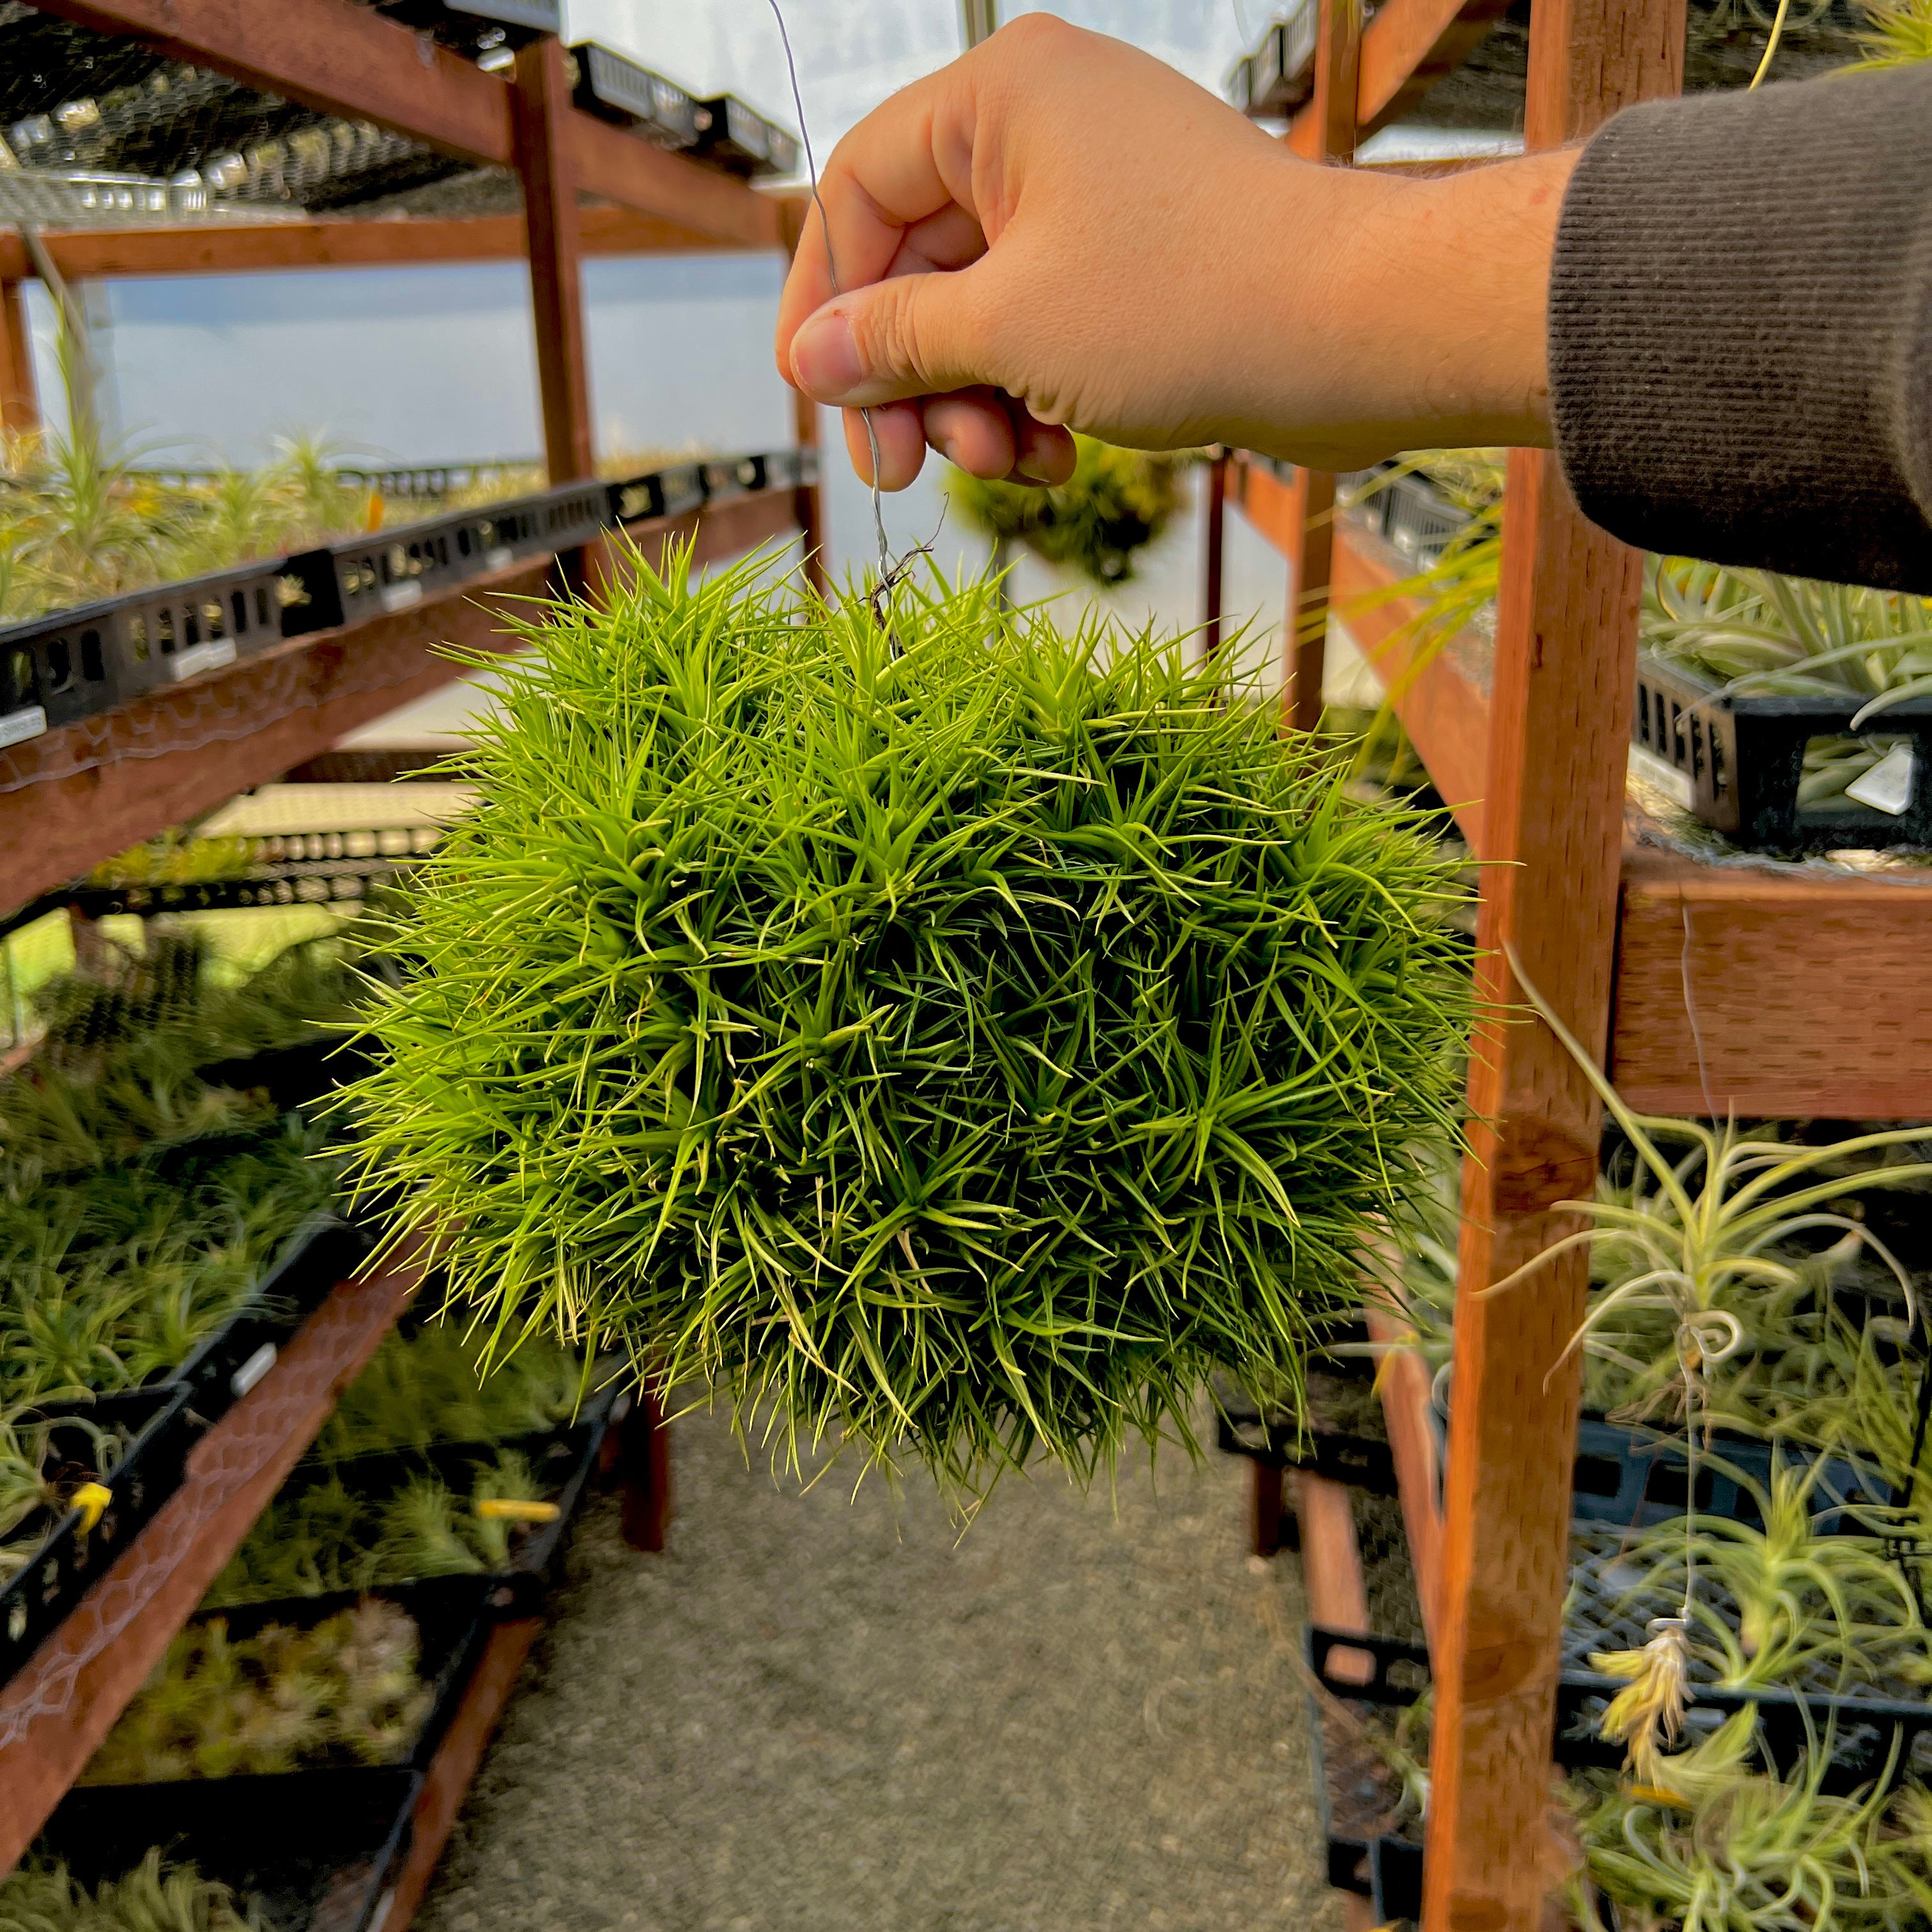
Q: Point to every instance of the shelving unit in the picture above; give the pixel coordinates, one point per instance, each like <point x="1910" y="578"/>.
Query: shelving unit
<point x="77" y="794"/>
<point x="1748" y="986"/>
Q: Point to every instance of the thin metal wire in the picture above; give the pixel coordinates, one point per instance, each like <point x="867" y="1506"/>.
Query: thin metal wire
<point x="832" y="269"/>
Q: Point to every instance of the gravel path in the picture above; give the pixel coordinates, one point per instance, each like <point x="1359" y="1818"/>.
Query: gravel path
<point x="813" y="1714"/>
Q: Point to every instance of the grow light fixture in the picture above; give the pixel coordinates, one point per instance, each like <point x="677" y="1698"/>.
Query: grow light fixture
<point x="1278" y="77"/>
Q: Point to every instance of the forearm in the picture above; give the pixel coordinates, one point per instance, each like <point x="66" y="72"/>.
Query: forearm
<point x="1424" y="323"/>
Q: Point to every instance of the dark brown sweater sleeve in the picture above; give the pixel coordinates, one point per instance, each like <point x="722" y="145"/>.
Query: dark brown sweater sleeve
<point x="1741" y="328"/>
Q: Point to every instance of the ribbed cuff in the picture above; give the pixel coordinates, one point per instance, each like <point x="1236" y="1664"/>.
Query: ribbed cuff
<point x="1741" y="328"/>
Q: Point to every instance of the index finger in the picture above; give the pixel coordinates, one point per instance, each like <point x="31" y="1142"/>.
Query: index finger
<point x="895" y="179"/>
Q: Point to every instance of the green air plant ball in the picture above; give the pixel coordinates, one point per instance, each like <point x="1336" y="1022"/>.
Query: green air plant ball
<point x="1117" y="502"/>
<point x="963" y="1039"/>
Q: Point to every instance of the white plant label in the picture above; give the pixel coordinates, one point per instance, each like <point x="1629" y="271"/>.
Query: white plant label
<point x="1674" y="785"/>
<point x="1887" y="787"/>
<point x="210" y="656"/>
<point x="17" y="726"/>
<point x="252" y="1371"/>
<point x="400" y="596"/>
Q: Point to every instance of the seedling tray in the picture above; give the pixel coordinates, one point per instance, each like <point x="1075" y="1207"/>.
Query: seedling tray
<point x="317" y="1851"/>
<point x="392" y="570"/>
<point x="76" y="663"/>
<point x="563" y="1462"/>
<point x="733" y="137"/>
<point x="1739" y="759"/>
<point x="1632" y="1478"/>
<point x="616" y="89"/>
<point x="231" y="1360"/>
<point x="1367" y="1851"/>
<point x="453" y="1620"/>
<point x="158" y="1427"/>
<point x="472" y="26"/>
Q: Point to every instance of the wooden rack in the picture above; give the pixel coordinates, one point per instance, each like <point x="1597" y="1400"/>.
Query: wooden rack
<point x="1703" y="988"/>
<point x="76" y="795"/>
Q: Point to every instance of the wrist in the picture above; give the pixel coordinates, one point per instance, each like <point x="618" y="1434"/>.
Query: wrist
<point x="1424" y="322"/>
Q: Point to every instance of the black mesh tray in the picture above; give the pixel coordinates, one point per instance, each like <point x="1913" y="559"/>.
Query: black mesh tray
<point x="317" y="1851"/>
<point x="158" y="1427"/>
<point x="453" y="1618"/>
<point x="1739" y="758"/>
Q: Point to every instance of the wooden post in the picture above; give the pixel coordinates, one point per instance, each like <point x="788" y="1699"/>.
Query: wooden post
<point x="1213" y="550"/>
<point x="1325" y="134"/>
<point x="542" y="116"/>
<point x="1551" y="836"/>
<point x="20" y="403"/>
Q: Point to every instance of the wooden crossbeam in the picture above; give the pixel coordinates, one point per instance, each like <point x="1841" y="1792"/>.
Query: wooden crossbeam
<point x="92" y="255"/>
<point x="340" y="58"/>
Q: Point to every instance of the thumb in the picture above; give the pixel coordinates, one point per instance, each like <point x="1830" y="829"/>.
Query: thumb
<point x="911" y="335"/>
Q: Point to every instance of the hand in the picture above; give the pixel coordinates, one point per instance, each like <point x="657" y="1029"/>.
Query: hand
<point x="1058" y="231"/>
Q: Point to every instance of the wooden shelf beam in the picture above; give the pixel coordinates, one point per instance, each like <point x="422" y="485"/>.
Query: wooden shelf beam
<point x="55" y="1710"/>
<point x="77" y="795"/>
<point x="1405" y="49"/>
<point x="1747" y="987"/>
<point x="340" y="58"/>
<point x="94" y="255"/>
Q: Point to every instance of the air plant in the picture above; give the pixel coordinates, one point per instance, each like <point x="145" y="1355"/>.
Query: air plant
<point x="439" y="1385"/>
<point x="1787" y="1602"/>
<point x="957" y="1035"/>
<point x="1116" y="503"/>
<point x="157" y="1895"/>
<point x="1708" y="1844"/>
<point x="325" y="1536"/>
<point x="343" y="1691"/>
<point x="1897" y="33"/>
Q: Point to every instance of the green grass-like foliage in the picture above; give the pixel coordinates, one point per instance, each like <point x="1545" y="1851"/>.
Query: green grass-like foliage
<point x="967" y="1047"/>
<point x="157" y="1895"/>
<point x="328" y="1536"/>
<point x="1117" y="502"/>
<point x="344" y="1691"/>
<point x="436" y="1386"/>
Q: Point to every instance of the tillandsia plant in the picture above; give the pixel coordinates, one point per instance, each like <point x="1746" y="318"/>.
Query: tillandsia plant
<point x="1897" y="33"/>
<point x="1758" y="633"/>
<point x="1116" y="503"/>
<point x="437" y="1386"/>
<point x="1795" y="1600"/>
<point x="1695" y="1251"/>
<point x="157" y="1895"/>
<point x="140" y="1205"/>
<point x="1719" y="1845"/>
<point x="958" y="1034"/>
<point x="327" y="1536"/>
<point x="343" y="1691"/>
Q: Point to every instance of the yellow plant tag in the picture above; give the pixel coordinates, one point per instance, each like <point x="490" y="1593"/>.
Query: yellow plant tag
<point x="508" y="1509"/>
<point x="91" y="1499"/>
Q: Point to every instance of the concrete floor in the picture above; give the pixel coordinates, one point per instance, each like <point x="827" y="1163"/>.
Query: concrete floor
<point x="815" y="1714"/>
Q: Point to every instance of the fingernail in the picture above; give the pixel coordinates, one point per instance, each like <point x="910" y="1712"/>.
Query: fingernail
<point x="1029" y="467"/>
<point x="825" y="358"/>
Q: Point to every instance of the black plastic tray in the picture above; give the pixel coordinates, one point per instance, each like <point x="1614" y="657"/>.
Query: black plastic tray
<point x="162" y="1427"/>
<point x="1352" y="1798"/>
<point x="453" y="1616"/>
<point x="615" y="89"/>
<point x="563" y="1461"/>
<point x="318" y="1851"/>
<point x="1740" y="758"/>
<point x="231" y="1360"/>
